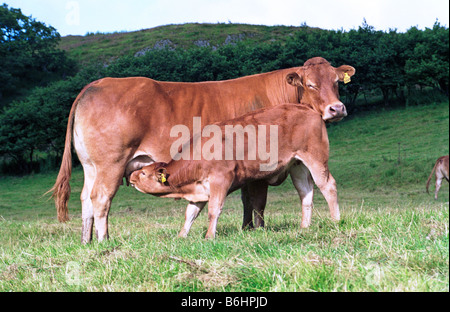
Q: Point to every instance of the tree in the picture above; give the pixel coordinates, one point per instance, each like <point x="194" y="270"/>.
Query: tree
<point x="20" y="133"/>
<point x="427" y="59"/>
<point x="28" y="52"/>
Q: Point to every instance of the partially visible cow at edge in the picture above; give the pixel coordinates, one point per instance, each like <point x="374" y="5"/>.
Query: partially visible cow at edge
<point x="303" y="151"/>
<point x="119" y="125"/>
<point x="441" y="169"/>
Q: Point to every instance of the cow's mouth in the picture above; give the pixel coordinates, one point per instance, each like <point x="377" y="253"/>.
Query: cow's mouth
<point x="335" y="119"/>
<point x="137" y="188"/>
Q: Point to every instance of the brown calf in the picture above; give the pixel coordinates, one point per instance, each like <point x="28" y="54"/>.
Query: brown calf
<point x="303" y="151"/>
<point x="441" y="169"/>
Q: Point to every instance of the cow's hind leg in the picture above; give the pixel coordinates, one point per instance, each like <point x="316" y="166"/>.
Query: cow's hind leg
<point x="302" y="180"/>
<point x="106" y="184"/>
<point x="87" y="212"/>
<point x="439" y="178"/>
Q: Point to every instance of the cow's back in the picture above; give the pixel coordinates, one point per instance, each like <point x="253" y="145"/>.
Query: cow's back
<point x="135" y="115"/>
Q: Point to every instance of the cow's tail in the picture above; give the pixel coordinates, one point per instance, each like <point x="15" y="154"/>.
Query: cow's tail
<point x="61" y="189"/>
<point x="431" y="174"/>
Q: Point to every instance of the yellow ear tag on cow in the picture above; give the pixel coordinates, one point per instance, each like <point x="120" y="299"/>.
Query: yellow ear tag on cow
<point x="346" y="78"/>
<point x="163" y="178"/>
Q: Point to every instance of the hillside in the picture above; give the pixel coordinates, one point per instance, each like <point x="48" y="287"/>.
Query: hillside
<point x="105" y="47"/>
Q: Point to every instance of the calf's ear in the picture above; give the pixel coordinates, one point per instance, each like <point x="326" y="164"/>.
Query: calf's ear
<point x="161" y="175"/>
<point x="345" y="69"/>
<point x="294" y="79"/>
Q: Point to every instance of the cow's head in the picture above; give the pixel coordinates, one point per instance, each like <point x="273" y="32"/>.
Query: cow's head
<point x="151" y="179"/>
<point x="317" y="82"/>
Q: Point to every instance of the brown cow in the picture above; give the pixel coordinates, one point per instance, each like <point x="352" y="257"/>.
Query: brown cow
<point x="441" y="169"/>
<point x="303" y="151"/>
<point x="120" y="125"/>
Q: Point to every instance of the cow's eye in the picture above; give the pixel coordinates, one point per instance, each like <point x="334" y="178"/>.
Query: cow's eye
<point x="312" y="87"/>
<point x="143" y="173"/>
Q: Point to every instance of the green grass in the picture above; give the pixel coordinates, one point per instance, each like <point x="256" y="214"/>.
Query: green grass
<point x="392" y="236"/>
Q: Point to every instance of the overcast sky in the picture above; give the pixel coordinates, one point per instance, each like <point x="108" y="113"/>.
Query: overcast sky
<point x="77" y="17"/>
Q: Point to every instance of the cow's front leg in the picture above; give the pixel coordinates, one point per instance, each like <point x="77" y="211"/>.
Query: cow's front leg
<point x="254" y="199"/>
<point x="192" y="211"/>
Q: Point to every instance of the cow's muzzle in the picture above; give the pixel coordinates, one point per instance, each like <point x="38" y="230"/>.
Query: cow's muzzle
<point x="334" y="112"/>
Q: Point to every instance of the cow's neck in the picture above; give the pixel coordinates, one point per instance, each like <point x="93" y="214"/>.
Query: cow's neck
<point x="277" y="91"/>
<point x="284" y="92"/>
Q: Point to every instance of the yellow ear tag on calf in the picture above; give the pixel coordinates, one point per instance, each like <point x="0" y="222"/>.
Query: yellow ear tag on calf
<point x="163" y="178"/>
<point x="346" y="78"/>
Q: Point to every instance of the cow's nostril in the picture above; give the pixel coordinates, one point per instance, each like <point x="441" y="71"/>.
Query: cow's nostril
<point x="337" y="109"/>
<point x="332" y="110"/>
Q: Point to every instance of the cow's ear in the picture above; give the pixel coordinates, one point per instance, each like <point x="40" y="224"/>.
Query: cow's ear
<point x="343" y="70"/>
<point x="294" y="79"/>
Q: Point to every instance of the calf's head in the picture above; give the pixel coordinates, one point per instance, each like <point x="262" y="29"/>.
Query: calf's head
<point x="317" y="82"/>
<point x="151" y="179"/>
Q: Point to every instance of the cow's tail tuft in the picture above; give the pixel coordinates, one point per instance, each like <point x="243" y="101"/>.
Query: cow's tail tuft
<point x="61" y="189"/>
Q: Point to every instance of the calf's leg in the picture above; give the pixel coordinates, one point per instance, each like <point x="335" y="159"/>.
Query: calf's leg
<point x="214" y="210"/>
<point x="302" y="180"/>
<point x="218" y="193"/>
<point x="192" y="211"/>
<point x="326" y="183"/>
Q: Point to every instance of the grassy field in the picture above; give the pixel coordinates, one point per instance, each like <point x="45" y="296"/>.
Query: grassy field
<point x="392" y="237"/>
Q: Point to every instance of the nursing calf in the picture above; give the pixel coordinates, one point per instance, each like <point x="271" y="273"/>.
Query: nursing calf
<point x="303" y="150"/>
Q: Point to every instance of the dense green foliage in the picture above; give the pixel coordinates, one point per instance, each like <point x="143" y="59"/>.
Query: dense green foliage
<point x="29" y="53"/>
<point x="392" y="68"/>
